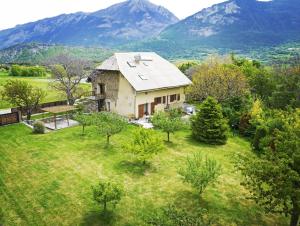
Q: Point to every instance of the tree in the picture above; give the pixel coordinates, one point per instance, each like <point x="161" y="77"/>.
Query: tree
<point x="22" y="94"/>
<point x="145" y="144"/>
<point x="287" y="89"/>
<point x="84" y="120"/>
<point x="208" y="125"/>
<point x="109" y="124"/>
<point x="219" y="80"/>
<point x="68" y="73"/>
<point x="168" y="122"/>
<point x="273" y="177"/>
<point x="200" y="172"/>
<point x="107" y="192"/>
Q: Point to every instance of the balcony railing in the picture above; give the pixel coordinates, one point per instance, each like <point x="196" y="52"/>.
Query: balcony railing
<point x="97" y="96"/>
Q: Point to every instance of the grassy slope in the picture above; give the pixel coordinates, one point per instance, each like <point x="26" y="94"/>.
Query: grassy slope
<point x="52" y="95"/>
<point x="47" y="179"/>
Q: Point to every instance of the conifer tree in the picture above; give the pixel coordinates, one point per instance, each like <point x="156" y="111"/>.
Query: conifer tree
<point x="209" y="125"/>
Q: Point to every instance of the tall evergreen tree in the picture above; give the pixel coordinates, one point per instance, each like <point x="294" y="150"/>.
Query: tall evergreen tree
<point x="209" y="125"/>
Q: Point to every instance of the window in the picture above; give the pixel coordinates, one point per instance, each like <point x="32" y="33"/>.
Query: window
<point x="146" y="109"/>
<point x="157" y="100"/>
<point x="173" y="98"/>
<point x="178" y="97"/>
<point x="101" y="89"/>
<point x="164" y="99"/>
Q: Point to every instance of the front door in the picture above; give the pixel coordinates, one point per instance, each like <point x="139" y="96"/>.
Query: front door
<point x="141" y="110"/>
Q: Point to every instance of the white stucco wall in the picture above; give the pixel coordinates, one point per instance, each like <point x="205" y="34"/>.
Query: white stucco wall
<point x="148" y="97"/>
<point x="126" y="98"/>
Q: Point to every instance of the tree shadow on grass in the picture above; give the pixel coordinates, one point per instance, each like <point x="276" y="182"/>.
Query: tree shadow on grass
<point x="133" y="167"/>
<point x="99" y="218"/>
<point x="189" y="199"/>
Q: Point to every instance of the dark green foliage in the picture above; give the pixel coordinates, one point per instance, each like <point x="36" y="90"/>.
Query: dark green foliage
<point x="27" y="71"/>
<point x="246" y="129"/>
<point x="172" y="215"/>
<point x="234" y="108"/>
<point x="260" y="133"/>
<point x="200" y="172"/>
<point x="274" y="176"/>
<point x="209" y="125"/>
<point x="107" y="192"/>
<point x="39" y="127"/>
<point x="109" y="124"/>
<point x="287" y="90"/>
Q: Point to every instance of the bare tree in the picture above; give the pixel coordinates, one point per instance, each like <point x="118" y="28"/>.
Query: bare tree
<point x="68" y="72"/>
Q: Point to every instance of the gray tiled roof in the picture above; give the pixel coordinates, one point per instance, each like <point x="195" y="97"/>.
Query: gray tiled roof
<point x="151" y="72"/>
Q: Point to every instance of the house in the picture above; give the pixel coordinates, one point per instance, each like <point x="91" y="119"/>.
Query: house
<point x="138" y="84"/>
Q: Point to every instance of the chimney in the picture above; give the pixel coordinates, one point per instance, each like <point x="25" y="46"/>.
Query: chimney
<point x="137" y="58"/>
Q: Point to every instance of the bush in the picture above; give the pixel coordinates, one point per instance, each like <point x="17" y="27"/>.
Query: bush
<point x="27" y="71"/>
<point x="260" y="133"/>
<point x="39" y="127"/>
<point x="145" y="144"/>
<point x="200" y="172"/>
<point x="208" y="125"/>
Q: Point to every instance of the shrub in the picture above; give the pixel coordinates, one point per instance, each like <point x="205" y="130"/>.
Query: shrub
<point x="145" y="144"/>
<point x="208" y="125"/>
<point x="107" y="192"/>
<point x="200" y="172"/>
<point x="260" y="133"/>
<point x="39" y="127"/>
<point x="27" y="71"/>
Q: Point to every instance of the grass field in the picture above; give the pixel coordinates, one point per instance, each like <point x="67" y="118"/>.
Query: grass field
<point x="47" y="179"/>
<point x="43" y="83"/>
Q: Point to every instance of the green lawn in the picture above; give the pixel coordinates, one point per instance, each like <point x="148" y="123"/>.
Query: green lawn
<point x="47" y="179"/>
<point x="52" y="95"/>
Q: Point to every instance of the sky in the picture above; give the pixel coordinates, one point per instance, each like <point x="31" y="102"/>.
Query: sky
<point x="13" y="12"/>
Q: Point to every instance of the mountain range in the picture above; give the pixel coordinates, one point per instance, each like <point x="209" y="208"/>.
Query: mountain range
<point x="121" y="23"/>
<point x="235" y="25"/>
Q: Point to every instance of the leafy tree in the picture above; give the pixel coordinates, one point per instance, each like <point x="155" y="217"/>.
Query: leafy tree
<point x="109" y="124"/>
<point x="168" y="122"/>
<point x="251" y="120"/>
<point x="107" y="192"/>
<point x="68" y="72"/>
<point x="274" y="176"/>
<point x="172" y="215"/>
<point x="84" y="120"/>
<point x="22" y="94"/>
<point x="219" y="80"/>
<point x="234" y="108"/>
<point x="145" y="144"/>
<point x="208" y="125"/>
<point x="200" y="172"/>
<point x="287" y="89"/>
